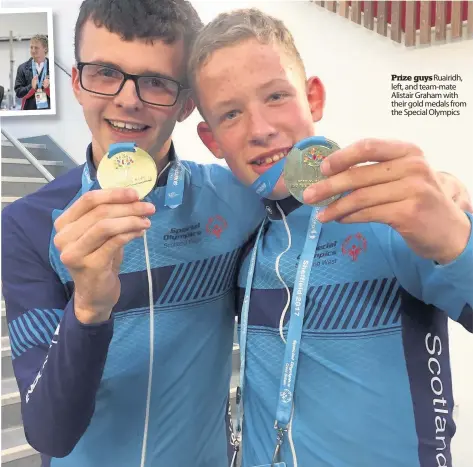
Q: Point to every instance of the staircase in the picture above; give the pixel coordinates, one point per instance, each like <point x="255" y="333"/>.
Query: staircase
<point x="20" y="177"/>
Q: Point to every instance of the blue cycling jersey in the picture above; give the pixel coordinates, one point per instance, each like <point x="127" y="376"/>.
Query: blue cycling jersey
<point x="373" y="386"/>
<point x="83" y="387"/>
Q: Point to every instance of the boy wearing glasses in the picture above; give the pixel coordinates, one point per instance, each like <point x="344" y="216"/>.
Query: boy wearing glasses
<point x="74" y="272"/>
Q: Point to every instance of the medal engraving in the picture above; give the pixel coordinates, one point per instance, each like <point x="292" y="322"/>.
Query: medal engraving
<point x="128" y="170"/>
<point x="303" y="169"/>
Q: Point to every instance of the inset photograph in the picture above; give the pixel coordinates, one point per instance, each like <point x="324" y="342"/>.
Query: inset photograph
<point x="27" y="85"/>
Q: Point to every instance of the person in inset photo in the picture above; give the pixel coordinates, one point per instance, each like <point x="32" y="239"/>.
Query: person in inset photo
<point x="32" y="84"/>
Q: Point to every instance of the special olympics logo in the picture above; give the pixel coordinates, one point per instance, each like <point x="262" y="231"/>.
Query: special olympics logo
<point x="123" y="160"/>
<point x="286" y="396"/>
<point x="354" y="245"/>
<point x="313" y="157"/>
<point x="216" y="225"/>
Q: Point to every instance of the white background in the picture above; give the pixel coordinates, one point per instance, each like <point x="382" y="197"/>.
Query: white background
<point x="355" y="65"/>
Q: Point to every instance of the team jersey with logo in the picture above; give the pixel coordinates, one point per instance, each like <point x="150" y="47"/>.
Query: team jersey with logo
<point x="373" y="386"/>
<point x="83" y="387"/>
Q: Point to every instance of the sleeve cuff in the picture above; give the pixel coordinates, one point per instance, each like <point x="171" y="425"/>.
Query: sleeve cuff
<point x="93" y="328"/>
<point x="461" y="266"/>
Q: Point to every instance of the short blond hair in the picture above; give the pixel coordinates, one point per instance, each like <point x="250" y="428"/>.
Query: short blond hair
<point x="231" y="28"/>
<point x="42" y="39"/>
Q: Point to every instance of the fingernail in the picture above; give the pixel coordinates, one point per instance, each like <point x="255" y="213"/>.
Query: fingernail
<point x="320" y="216"/>
<point x="325" y="167"/>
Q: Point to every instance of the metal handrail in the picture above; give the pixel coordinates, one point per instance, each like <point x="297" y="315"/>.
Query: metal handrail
<point x="63" y="68"/>
<point x="32" y="159"/>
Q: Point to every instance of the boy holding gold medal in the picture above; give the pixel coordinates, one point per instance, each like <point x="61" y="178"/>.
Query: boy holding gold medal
<point x="347" y="291"/>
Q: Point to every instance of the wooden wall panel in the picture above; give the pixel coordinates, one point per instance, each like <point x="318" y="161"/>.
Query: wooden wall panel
<point x="425" y="23"/>
<point x="344" y="9"/>
<point x="411" y="13"/>
<point x="356" y="12"/>
<point x="396" y="31"/>
<point x="382" y="24"/>
<point x="368" y="20"/>
<point x="331" y="6"/>
<point x="440" y="21"/>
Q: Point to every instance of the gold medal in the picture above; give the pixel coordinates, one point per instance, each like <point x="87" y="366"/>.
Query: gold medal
<point x="128" y="169"/>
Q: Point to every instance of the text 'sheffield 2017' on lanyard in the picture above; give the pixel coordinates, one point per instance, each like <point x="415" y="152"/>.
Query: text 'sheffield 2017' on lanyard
<point x="264" y="186"/>
<point x="294" y="335"/>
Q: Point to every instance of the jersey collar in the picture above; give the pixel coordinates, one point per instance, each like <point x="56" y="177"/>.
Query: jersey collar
<point x="287" y="205"/>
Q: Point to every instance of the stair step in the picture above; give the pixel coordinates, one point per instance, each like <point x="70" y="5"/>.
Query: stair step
<point x="21" y="186"/>
<point x="6" y="143"/>
<point x="5" y="345"/>
<point x="11" y="404"/>
<point x="10" y="199"/>
<point x="17" y="167"/>
<point x="38" y="150"/>
<point x="4" y="324"/>
<point x="6" y="200"/>
<point x="8" y="179"/>
<point x="7" y="366"/>
<point x="236" y="358"/>
<point x="9" y="390"/>
<point x="13" y="160"/>
<point x="234" y="382"/>
<point x="15" y="447"/>
<point x="4" y="320"/>
<point x="30" y="461"/>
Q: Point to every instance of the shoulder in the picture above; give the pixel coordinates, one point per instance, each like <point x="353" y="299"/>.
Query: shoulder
<point x="24" y="65"/>
<point x="221" y="181"/>
<point x="31" y="216"/>
<point x="218" y="186"/>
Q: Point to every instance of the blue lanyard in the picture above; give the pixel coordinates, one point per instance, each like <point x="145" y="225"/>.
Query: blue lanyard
<point x="294" y="335"/>
<point x="175" y="186"/>
<point x="244" y="329"/>
<point x="175" y="181"/>
<point x="87" y="182"/>
<point x="35" y="72"/>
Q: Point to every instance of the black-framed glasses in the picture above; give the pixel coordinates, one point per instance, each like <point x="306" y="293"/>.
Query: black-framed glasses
<point x="108" y="81"/>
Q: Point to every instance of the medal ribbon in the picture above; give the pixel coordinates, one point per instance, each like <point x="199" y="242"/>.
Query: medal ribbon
<point x="175" y="186"/>
<point x="87" y="182"/>
<point x="35" y="73"/>
<point x="294" y="335"/>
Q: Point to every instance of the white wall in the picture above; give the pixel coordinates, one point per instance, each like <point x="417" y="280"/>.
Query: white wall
<point x="355" y="64"/>
<point x="21" y="24"/>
